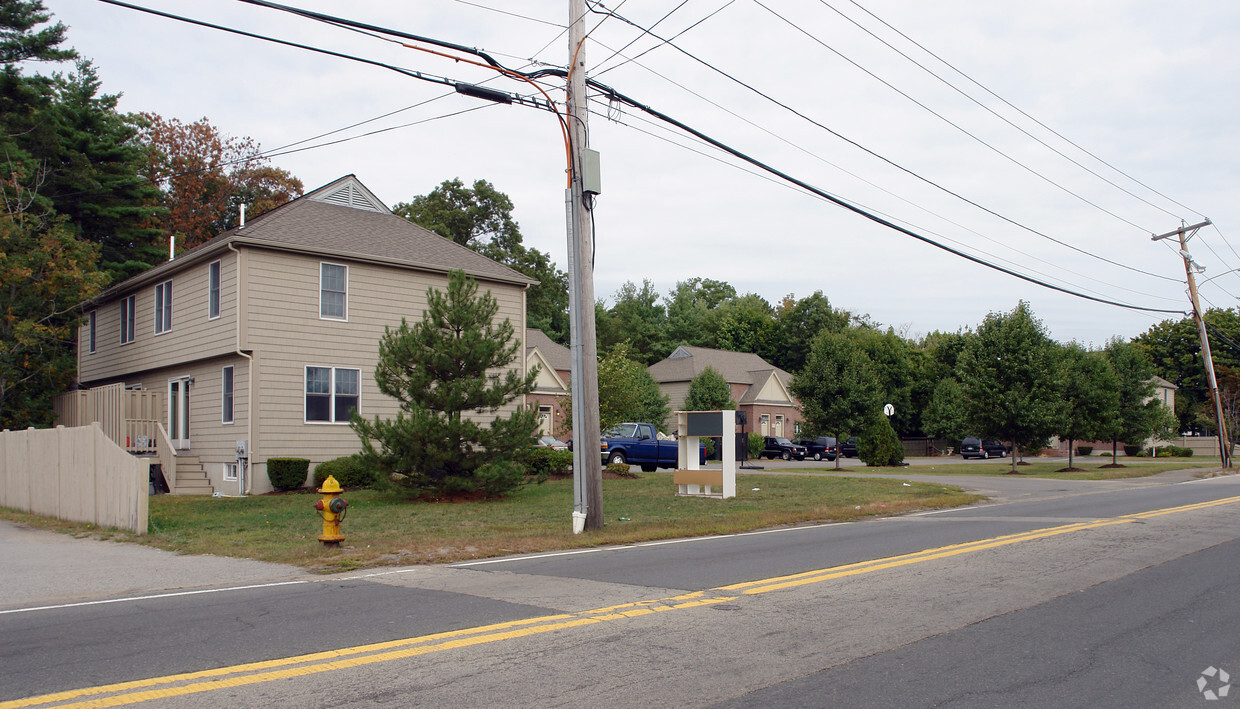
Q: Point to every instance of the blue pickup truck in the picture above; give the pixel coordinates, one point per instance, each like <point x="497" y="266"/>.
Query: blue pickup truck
<point x="639" y="444"/>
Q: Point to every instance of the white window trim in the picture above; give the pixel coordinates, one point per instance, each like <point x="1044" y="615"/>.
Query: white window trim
<point x="159" y="304"/>
<point x="92" y="333"/>
<point x="230" y="476"/>
<point x="215" y="269"/>
<point x="227" y="406"/>
<point x="129" y="311"/>
<point x="345" y="266"/>
<point x="331" y="387"/>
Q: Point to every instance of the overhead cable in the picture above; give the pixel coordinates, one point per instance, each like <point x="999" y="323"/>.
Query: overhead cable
<point x="892" y="163"/>
<point x="1026" y="115"/>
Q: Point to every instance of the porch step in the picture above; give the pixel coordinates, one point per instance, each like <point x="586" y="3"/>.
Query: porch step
<point x="191" y="477"/>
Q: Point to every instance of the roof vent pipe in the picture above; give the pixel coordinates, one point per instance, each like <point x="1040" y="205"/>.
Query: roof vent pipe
<point x="172" y="246"/>
<point x="242" y="217"/>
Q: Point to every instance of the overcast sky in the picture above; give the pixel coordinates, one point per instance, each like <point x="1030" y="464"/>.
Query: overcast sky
<point x="1147" y="87"/>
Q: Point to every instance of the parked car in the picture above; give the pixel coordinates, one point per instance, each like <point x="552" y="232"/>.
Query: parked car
<point x="973" y="447"/>
<point x="848" y="448"/>
<point x="780" y="447"/>
<point x="551" y="442"/>
<point x="819" y="448"/>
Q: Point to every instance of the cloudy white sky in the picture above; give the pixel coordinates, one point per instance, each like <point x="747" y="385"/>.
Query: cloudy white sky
<point x="1148" y="88"/>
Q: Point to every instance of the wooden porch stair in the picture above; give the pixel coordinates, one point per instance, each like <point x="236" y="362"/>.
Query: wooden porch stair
<point x="191" y="477"/>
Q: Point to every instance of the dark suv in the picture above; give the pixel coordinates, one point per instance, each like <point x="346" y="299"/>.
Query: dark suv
<point x="848" y="448"/>
<point x="977" y="448"/>
<point x="819" y="448"/>
<point x="780" y="447"/>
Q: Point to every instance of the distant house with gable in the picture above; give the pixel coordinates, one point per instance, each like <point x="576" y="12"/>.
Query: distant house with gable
<point x="267" y="336"/>
<point x="760" y="389"/>
<point x="554" y="362"/>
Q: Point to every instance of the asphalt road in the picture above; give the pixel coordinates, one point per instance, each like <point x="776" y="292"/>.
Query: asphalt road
<point x="1055" y="594"/>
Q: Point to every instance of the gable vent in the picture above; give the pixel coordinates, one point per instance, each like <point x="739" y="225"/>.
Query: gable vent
<point x="349" y="195"/>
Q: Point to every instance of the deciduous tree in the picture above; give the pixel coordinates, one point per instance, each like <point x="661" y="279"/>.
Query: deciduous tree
<point x="836" y="388"/>
<point x="1139" y="413"/>
<point x="1010" y="378"/>
<point x="709" y="391"/>
<point x="1091" y="398"/>
<point x="626" y="392"/>
<point x="480" y="218"/>
<point x="45" y="273"/>
<point x="206" y="176"/>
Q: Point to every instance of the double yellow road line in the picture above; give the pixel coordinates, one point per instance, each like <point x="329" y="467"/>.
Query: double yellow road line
<point x="137" y="691"/>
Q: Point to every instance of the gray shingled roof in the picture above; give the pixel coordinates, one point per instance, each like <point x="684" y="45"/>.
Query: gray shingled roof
<point x="736" y="367"/>
<point x="558" y="356"/>
<point x="309" y="225"/>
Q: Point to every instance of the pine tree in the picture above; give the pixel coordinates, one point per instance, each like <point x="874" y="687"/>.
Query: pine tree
<point x="440" y="370"/>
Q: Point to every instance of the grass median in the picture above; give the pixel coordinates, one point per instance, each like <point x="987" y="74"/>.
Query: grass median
<point x="384" y="528"/>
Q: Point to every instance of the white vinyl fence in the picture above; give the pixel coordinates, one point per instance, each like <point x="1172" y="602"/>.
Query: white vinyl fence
<point x="77" y="474"/>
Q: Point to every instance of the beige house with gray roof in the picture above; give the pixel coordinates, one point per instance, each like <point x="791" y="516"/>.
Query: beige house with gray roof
<point x="269" y="333"/>
<point x="554" y="362"/>
<point x="759" y="388"/>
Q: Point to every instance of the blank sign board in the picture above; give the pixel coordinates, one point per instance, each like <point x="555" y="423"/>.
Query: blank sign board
<point x="705" y="423"/>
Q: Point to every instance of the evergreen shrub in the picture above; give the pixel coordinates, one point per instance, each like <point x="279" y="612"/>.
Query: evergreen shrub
<point x="542" y="462"/>
<point x="880" y="446"/>
<point x="287" y="473"/>
<point x="349" y="471"/>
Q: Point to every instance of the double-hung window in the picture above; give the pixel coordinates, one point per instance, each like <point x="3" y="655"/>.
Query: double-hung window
<point x="226" y="403"/>
<point x="332" y="393"/>
<point x="163" y="307"/>
<point x="128" y="318"/>
<point x="333" y="291"/>
<point x="213" y="290"/>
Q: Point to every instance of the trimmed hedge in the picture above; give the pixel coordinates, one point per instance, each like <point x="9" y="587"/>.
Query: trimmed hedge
<point x="287" y="473"/>
<point x="349" y="471"/>
<point x="1084" y="450"/>
<point x="1174" y="452"/>
<point x="1131" y="450"/>
<point x="543" y="463"/>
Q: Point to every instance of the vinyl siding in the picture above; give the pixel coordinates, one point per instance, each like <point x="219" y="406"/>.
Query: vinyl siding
<point x="285" y="327"/>
<point x="192" y="337"/>
<point x="211" y="440"/>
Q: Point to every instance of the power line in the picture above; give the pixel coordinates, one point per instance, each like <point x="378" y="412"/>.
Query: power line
<point x="857" y="210"/>
<point x="879" y="156"/>
<point x="615" y="95"/>
<point x="993" y="112"/>
<point x="1018" y="110"/>
<point x="945" y="119"/>
<point x="907" y="223"/>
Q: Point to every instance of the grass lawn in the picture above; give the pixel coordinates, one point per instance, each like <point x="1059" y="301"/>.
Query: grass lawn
<point x="383" y="528"/>
<point x="1091" y="470"/>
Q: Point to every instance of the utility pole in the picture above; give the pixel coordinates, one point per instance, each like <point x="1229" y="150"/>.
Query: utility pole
<point x="1185" y="233"/>
<point x="587" y="462"/>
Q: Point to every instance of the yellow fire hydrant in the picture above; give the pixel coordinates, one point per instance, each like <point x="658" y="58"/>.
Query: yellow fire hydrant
<point x="333" y="507"/>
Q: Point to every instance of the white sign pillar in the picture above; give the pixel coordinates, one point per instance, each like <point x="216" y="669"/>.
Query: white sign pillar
<point x="690" y="477"/>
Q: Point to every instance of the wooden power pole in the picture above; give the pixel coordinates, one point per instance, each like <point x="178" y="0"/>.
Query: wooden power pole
<point x="1185" y="233"/>
<point x="587" y="462"/>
